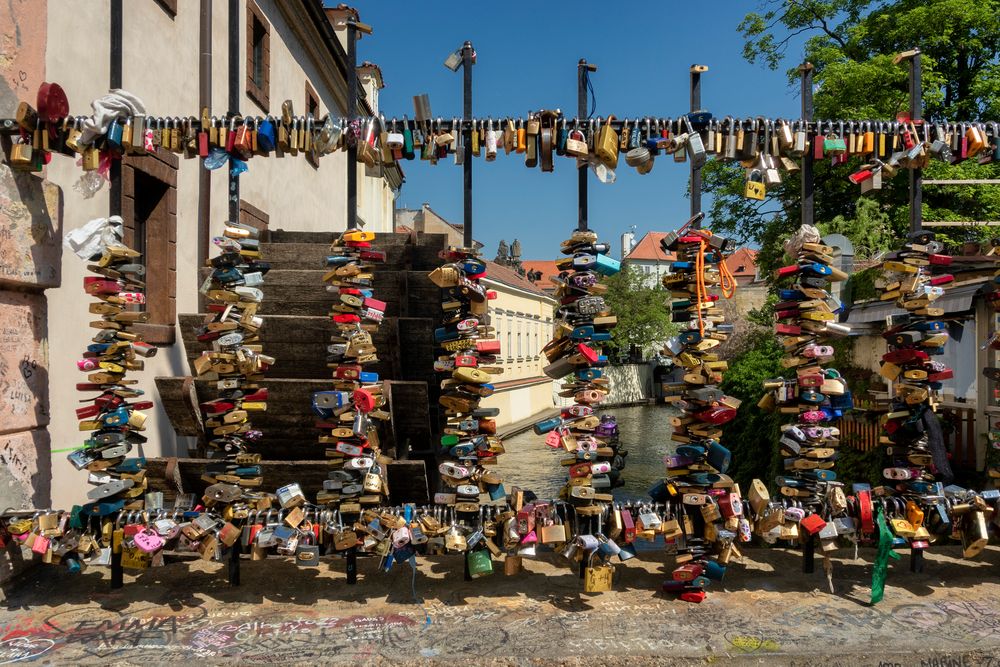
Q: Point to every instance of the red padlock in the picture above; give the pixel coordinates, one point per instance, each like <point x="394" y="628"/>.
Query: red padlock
<point x="812" y="524"/>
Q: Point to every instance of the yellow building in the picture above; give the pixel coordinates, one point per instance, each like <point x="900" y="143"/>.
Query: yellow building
<point x="522" y="316"/>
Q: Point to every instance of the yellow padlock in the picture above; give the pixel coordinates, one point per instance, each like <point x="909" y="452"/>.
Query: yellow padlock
<point x="754" y="188"/>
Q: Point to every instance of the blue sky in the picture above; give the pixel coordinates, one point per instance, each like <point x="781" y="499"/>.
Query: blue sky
<point x="643" y="53"/>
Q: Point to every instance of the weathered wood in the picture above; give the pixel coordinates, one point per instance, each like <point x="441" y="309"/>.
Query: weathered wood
<point x="410" y="425"/>
<point x="283" y="236"/>
<point x="298" y="344"/>
<point x="407" y="479"/>
<point x="313" y="256"/>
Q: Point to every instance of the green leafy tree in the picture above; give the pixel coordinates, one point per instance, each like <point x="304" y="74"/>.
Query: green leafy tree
<point x="852" y="43"/>
<point x="642" y="311"/>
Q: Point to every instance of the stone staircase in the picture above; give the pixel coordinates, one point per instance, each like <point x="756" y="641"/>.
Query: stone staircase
<point x="296" y="332"/>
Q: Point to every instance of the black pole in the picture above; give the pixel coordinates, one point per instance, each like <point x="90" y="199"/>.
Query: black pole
<point x="583" y="69"/>
<point x="696" y="71"/>
<point x="916" y="175"/>
<point x="234" y="564"/>
<point x="807" y="209"/>
<point x="117" y="572"/>
<point x="234" y="98"/>
<point x="467" y="52"/>
<point x="352" y="149"/>
<point x="916" y="560"/>
<point x="809" y="554"/>
<point x="352" y="566"/>
<point x="115" y="175"/>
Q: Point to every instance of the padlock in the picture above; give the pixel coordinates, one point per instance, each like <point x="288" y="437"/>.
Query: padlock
<point x="754" y="188"/>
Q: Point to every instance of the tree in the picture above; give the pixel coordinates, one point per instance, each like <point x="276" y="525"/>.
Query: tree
<point x="642" y="311"/>
<point x="851" y="43"/>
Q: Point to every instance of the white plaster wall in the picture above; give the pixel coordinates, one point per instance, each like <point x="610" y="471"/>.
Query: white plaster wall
<point x="160" y="65"/>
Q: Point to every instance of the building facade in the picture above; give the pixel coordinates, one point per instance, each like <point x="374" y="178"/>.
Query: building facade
<point x="288" y="50"/>
<point x="522" y="317"/>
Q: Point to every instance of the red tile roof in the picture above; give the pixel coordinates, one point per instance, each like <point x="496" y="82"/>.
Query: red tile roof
<point x="511" y="278"/>
<point x="745" y="257"/>
<point x="546" y="267"/>
<point x="648" y="248"/>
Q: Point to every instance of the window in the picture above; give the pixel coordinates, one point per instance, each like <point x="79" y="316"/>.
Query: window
<point x="741" y="268"/>
<point x="519" y="355"/>
<point x="312" y="101"/>
<point x="149" y="210"/>
<point x="258" y="56"/>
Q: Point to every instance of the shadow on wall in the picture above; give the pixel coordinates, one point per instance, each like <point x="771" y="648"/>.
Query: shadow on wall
<point x="630" y="383"/>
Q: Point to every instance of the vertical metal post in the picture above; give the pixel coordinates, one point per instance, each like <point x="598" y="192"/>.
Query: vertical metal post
<point x="467" y="52"/>
<point x="352" y="113"/>
<point x="115" y="81"/>
<point x="916" y="175"/>
<point x="807" y="217"/>
<point x="204" y="101"/>
<point x="234" y="564"/>
<point x="696" y="72"/>
<point x="583" y="69"/>
<point x="352" y="566"/>
<point x="807" y="209"/>
<point x="234" y="98"/>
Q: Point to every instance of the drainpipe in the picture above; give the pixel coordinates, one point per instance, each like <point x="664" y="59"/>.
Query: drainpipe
<point x="204" y="101"/>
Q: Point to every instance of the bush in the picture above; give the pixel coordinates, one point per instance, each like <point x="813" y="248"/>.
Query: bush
<point x="753" y="436"/>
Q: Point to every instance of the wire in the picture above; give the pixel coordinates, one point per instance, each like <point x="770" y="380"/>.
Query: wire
<point x="590" y="89"/>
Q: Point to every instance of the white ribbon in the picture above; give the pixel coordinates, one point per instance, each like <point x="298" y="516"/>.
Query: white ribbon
<point x="92" y="238"/>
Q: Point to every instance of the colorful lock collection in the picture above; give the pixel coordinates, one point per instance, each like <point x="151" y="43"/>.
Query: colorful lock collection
<point x="346" y="413"/>
<point x="914" y="278"/>
<point x="112" y="421"/>
<point x="811" y="498"/>
<point x="583" y="323"/>
<point x="236" y="362"/>
<point x="469" y="443"/>
<point x="708" y="520"/>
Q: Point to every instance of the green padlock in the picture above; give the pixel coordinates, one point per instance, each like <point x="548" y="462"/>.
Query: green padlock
<point x="834" y="145"/>
<point x="479" y="562"/>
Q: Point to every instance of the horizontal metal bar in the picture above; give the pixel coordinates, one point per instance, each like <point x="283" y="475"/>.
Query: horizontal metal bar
<point x="963" y="223"/>
<point x="962" y="181"/>
<point x="990" y="128"/>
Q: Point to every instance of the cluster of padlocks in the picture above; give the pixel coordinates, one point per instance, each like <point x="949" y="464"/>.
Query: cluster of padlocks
<point x="915" y="277"/>
<point x="469" y="441"/>
<point x="710" y="518"/>
<point x="345" y="413"/>
<point x="236" y="362"/>
<point x="583" y="324"/>
<point x="112" y="422"/>
<point x="815" y="398"/>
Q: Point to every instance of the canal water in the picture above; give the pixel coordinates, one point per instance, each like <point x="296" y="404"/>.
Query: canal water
<point x="643" y="430"/>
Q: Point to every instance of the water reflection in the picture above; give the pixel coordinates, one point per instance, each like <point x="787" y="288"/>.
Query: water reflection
<point x="644" y="431"/>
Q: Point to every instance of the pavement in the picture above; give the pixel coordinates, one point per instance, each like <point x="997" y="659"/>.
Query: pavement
<point x="765" y="612"/>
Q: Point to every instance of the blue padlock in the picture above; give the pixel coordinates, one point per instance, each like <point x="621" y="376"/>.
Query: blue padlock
<point x="368" y="377"/>
<point x="714" y="570"/>
<point x="496" y="491"/>
<point x="659" y="492"/>
<point x="691" y="451"/>
<point x="607" y="266"/>
<point x="546" y="425"/>
<point x="719" y="457"/>
<point x="266" y="136"/>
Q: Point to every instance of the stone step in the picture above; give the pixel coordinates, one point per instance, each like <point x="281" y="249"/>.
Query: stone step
<point x="298" y="344"/>
<point x="407" y="480"/>
<point x="289" y="424"/>
<point x="303" y="292"/>
<point x="313" y="256"/>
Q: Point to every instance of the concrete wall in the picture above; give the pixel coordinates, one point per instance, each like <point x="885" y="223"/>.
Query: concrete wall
<point x="30" y="249"/>
<point x="160" y="65"/>
<point x="629" y="383"/>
